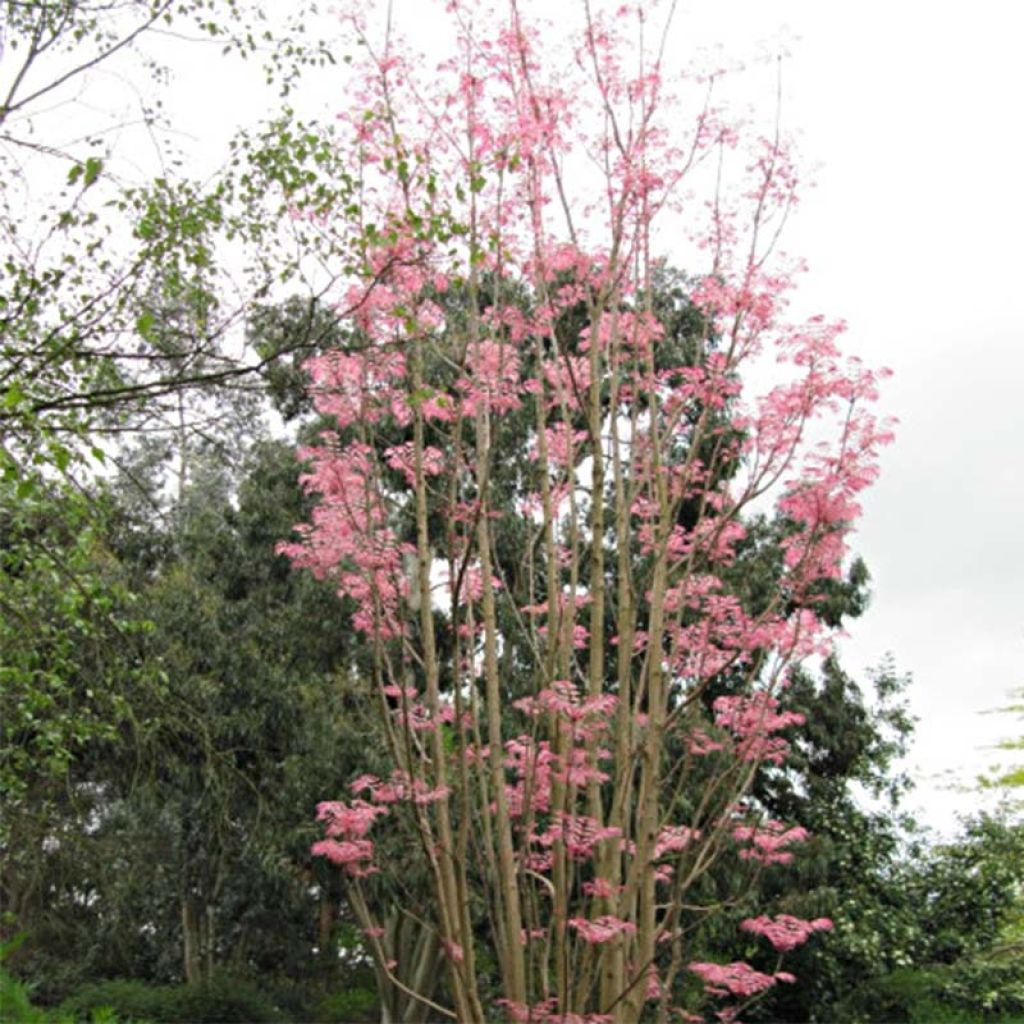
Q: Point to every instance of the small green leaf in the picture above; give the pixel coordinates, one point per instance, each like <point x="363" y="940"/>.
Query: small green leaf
<point x="144" y="326"/>
<point x="14" y="397"/>
<point x="93" y="167"/>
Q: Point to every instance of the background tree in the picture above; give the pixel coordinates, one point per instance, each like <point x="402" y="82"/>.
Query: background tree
<point x="178" y="843"/>
<point x="117" y="319"/>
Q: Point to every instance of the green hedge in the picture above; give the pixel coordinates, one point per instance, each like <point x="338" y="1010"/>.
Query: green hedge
<point x="974" y="991"/>
<point x="353" y="1006"/>
<point x="223" y="1000"/>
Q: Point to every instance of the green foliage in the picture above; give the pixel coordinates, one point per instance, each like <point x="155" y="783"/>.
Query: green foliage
<point x="353" y="1006"/>
<point x="972" y="991"/>
<point x="131" y="1000"/>
<point x="16" y="1006"/>
<point x="70" y="679"/>
<point x="96" y="261"/>
<point x="15" y="1003"/>
<point x="1009" y="778"/>
<point x="220" y="1000"/>
<point x="926" y="937"/>
<point x="67" y="633"/>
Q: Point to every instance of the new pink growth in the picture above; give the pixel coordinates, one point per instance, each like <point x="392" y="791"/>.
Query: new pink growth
<point x="768" y="841"/>
<point x="751" y="719"/>
<point x="579" y="833"/>
<point x="346" y="827"/>
<point x="349" y="854"/>
<point x="737" y="979"/>
<point x="350" y="821"/>
<point x="673" y="838"/>
<point x="546" y="1012"/>
<point x="601" y="929"/>
<point x="785" y="932"/>
<point x="600" y="888"/>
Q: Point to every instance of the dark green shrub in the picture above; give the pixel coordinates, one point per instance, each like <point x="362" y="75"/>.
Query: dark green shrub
<point x="353" y="1006"/>
<point x="130" y="1000"/>
<point x="971" y="991"/>
<point x="15" y="1005"/>
<point x="993" y="988"/>
<point x="222" y="1000"/>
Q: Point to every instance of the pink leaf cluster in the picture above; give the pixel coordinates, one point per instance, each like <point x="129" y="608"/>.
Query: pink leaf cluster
<point x="752" y="720"/>
<point x="784" y="931"/>
<point x="736" y="979"/>
<point x="768" y="842"/>
<point x="346" y="828"/>
<point x="600" y="929"/>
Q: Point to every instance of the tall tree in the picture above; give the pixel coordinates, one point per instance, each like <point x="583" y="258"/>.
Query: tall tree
<point x="174" y="841"/>
<point x="116" y="321"/>
<point x="549" y="729"/>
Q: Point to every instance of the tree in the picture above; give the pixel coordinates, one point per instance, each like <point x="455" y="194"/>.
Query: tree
<point x="961" y="907"/>
<point x="575" y="740"/>
<point x="115" y="322"/>
<point x="173" y="842"/>
<point x="96" y="257"/>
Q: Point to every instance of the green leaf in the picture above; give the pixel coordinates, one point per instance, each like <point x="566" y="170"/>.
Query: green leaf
<point x="144" y="326"/>
<point x="93" y="167"/>
<point x="14" y="396"/>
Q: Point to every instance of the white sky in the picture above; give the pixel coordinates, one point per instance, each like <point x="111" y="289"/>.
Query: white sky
<point x="911" y="112"/>
<point x="913" y="235"/>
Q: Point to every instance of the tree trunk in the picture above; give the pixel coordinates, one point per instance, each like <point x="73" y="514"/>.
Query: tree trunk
<point x="191" y="938"/>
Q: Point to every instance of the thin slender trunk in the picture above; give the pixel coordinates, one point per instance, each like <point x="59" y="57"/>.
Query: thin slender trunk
<point x="191" y="940"/>
<point x="451" y="904"/>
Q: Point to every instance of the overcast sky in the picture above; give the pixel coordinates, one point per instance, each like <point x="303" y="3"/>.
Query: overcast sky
<point x="913" y="235"/>
<point x="911" y="113"/>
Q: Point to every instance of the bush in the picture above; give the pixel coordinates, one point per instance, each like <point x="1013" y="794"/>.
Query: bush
<point x="353" y="1006"/>
<point x="223" y="1000"/>
<point x="130" y="1000"/>
<point x="971" y="991"/>
<point x="17" y="1008"/>
<point x="993" y="987"/>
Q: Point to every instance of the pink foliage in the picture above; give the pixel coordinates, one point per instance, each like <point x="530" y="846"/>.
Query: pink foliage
<point x="673" y="838"/>
<point x="491" y="305"/>
<point x="785" y="932"/>
<point x="736" y="979"/>
<point x="579" y="833"/>
<point x="751" y="720"/>
<point x="601" y="929"/>
<point x="768" y="841"/>
<point x="346" y="827"/>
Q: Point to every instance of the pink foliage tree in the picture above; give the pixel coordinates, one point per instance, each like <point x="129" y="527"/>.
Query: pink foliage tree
<point x="503" y="279"/>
